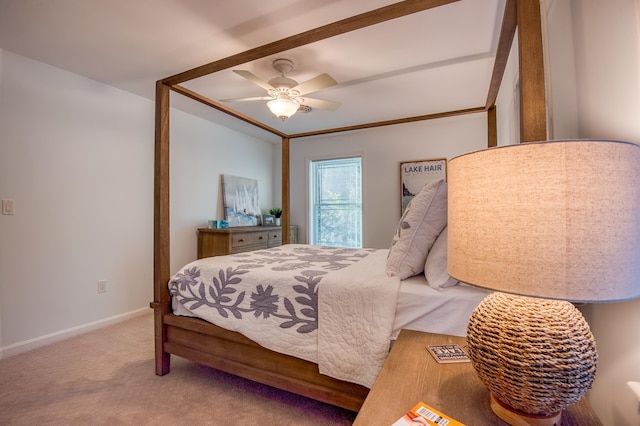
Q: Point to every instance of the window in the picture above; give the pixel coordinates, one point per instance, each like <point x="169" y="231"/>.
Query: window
<point x="336" y="202"/>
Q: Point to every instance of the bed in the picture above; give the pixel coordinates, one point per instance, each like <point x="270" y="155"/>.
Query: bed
<point x="335" y="310"/>
<point x="231" y="351"/>
<point x="332" y="309"/>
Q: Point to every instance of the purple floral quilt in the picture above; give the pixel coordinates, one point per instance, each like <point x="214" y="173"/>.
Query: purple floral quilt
<point x="273" y="296"/>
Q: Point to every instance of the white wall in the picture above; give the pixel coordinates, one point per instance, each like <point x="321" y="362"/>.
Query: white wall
<point x="200" y="152"/>
<point x="608" y="83"/>
<point x="77" y="158"/>
<point x="559" y="49"/>
<point x="595" y="46"/>
<point x="382" y="150"/>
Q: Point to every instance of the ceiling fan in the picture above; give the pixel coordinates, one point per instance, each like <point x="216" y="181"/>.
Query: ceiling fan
<point x="285" y="95"/>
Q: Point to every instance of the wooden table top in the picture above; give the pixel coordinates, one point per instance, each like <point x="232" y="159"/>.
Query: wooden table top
<point x="411" y="375"/>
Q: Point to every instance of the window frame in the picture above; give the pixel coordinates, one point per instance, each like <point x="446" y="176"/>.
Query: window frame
<point x="310" y="191"/>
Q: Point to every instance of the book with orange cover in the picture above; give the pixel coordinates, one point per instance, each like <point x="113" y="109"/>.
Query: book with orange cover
<point x="423" y="414"/>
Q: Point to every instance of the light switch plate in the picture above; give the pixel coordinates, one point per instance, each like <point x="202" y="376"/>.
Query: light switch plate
<point x="7" y="206"/>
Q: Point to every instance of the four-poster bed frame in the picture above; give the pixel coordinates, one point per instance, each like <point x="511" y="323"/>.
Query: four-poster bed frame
<point x="229" y="351"/>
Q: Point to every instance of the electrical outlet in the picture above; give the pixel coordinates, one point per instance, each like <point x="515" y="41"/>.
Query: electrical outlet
<point x="102" y="286"/>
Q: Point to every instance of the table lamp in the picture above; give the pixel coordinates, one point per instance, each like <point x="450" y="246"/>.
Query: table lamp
<point x="543" y="224"/>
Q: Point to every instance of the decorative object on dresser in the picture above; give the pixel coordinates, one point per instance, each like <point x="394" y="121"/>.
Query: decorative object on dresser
<point x="241" y="203"/>
<point x="239" y="239"/>
<point x="555" y="220"/>
<point x="276" y="212"/>
<point x="218" y="224"/>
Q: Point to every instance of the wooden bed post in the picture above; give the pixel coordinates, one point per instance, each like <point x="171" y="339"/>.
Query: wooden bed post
<point x="161" y="253"/>
<point x="492" y="128"/>
<point x="286" y="202"/>
<point x="533" y="107"/>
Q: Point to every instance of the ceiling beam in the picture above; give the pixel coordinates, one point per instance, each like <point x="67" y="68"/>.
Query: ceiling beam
<point x="223" y="108"/>
<point x="220" y="107"/>
<point x="389" y="122"/>
<point x="387" y="13"/>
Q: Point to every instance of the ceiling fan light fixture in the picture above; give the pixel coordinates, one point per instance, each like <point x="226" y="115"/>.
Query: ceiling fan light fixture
<point x="283" y="108"/>
<point x="285" y="94"/>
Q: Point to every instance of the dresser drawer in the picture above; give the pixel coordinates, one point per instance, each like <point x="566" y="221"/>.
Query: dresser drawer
<point x="239" y="239"/>
<point x="275" y="238"/>
<point x="242" y="240"/>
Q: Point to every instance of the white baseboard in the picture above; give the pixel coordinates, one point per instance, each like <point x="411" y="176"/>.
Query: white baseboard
<point x="27" y="345"/>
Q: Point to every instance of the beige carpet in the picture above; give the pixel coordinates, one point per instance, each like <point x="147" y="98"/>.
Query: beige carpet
<point x="106" y="377"/>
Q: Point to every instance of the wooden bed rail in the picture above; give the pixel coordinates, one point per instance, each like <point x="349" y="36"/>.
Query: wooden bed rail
<point x="231" y="352"/>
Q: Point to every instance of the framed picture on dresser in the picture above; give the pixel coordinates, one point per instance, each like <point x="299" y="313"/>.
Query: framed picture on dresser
<point x="268" y="220"/>
<point x="240" y="200"/>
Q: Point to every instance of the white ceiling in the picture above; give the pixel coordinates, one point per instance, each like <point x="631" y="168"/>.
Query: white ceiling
<point x="430" y="62"/>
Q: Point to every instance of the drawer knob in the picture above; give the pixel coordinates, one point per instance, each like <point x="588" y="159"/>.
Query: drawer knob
<point x="241" y="240"/>
<point x="261" y="238"/>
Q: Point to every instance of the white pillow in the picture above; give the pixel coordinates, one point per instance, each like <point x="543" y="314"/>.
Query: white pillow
<point x="419" y="227"/>
<point x="435" y="269"/>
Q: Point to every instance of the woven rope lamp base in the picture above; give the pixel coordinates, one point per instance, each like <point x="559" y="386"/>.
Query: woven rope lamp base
<point x="519" y="418"/>
<point x="536" y="356"/>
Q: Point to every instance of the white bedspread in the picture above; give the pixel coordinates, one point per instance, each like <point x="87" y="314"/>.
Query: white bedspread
<point x="357" y="306"/>
<point x="278" y="298"/>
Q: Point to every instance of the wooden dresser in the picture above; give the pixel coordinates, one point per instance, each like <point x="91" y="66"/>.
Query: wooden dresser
<point x="238" y="239"/>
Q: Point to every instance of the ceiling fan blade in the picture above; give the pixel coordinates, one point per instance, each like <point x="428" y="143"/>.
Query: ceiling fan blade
<point x="258" y="98"/>
<point x="321" y="104"/>
<point x="317" y="83"/>
<point x="254" y="79"/>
